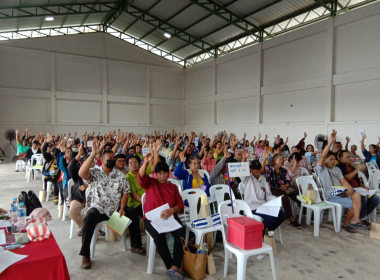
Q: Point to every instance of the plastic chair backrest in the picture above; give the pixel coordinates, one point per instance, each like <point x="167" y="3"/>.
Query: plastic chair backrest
<point x="70" y="185"/>
<point x="38" y="159"/>
<point x="303" y="184"/>
<point x="143" y="199"/>
<point x="372" y="166"/>
<point x="177" y="183"/>
<point x="225" y="211"/>
<point x="374" y="179"/>
<point x="304" y="171"/>
<point x="192" y="197"/>
<point x="240" y="188"/>
<point x="218" y="192"/>
<point x="364" y="178"/>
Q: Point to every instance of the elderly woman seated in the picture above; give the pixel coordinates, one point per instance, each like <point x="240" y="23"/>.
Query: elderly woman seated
<point x="159" y="192"/>
<point x="256" y="192"/>
<point x="192" y="178"/>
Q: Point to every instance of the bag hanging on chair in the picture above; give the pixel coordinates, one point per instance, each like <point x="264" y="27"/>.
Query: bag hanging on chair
<point x="271" y="241"/>
<point x="194" y="264"/>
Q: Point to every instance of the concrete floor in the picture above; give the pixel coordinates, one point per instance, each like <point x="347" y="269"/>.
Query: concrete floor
<point x="302" y="256"/>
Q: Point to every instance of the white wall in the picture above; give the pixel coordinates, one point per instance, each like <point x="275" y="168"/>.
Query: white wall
<point x="323" y="76"/>
<point x="89" y="82"/>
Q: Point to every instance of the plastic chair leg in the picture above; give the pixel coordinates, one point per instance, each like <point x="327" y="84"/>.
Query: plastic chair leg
<point x="241" y="266"/>
<point x="300" y="215"/>
<point x="93" y="241"/>
<point x="334" y="219"/>
<point x="48" y="190"/>
<point x="198" y="237"/>
<point x="272" y="264"/>
<point x="187" y="234"/>
<point x="65" y="210"/>
<point x="317" y="219"/>
<point x="226" y="258"/>
<point x="280" y="234"/>
<point x="308" y="216"/>
<point x="151" y="255"/>
<point x="124" y="240"/>
<point x="71" y="229"/>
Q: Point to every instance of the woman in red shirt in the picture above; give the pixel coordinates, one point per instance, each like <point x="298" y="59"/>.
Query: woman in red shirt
<point x="157" y="193"/>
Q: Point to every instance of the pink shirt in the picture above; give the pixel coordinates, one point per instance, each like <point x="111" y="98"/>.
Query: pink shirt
<point x="157" y="194"/>
<point x="208" y="164"/>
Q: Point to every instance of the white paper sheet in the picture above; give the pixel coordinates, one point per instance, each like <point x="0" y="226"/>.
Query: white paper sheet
<point x="5" y="223"/>
<point x="365" y="192"/>
<point x="8" y="258"/>
<point x="161" y="225"/>
<point x="2" y="237"/>
<point x="271" y="208"/>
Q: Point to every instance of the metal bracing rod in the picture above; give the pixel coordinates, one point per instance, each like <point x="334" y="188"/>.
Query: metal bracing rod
<point x="46" y="5"/>
<point x="111" y="16"/>
<point x="86" y="16"/>
<point x="198" y="21"/>
<point x="166" y="27"/>
<point x="166" y="20"/>
<point x="137" y="19"/>
<point x="226" y="14"/>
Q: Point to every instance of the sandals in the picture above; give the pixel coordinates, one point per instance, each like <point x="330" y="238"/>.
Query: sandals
<point x="140" y="251"/>
<point x="174" y="274"/>
<point x="350" y="229"/>
<point x="359" y="226"/>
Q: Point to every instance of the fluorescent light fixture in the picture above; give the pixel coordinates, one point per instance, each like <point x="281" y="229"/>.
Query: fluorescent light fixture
<point x="49" y="18"/>
<point x="167" y="35"/>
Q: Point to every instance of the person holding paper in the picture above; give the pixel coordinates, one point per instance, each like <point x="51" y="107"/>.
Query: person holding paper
<point x="108" y="191"/>
<point x="351" y="175"/>
<point x="256" y="192"/>
<point x="331" y="176"/>
<point x="192" y="178"/>
<point x="279" y="182"/>
<point x="158" y="193"/>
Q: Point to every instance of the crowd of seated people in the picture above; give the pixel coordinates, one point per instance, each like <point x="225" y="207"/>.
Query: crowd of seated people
<point x="120" y="167"/>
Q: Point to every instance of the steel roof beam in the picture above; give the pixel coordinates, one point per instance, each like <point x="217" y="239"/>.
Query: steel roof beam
<point x="226" y="14"/>
<point x="274" y="22"/>
<point x="167" y="27"/>
<point x="166" y="20"/>
<point x="137" y="19"/>
<point x="226" y="25"/>
<point x="46" y="5"/>
<point x="112" y="16"/>
<point x="198" y="21"/>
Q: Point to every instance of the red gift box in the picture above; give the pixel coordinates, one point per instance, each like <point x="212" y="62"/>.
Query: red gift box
<point x="246" y="233"/>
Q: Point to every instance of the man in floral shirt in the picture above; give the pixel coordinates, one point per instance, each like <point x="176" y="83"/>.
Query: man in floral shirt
<point x="108" y="190"/>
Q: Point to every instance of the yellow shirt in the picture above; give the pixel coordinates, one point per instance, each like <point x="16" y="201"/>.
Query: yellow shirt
<point x="197" y="182"/>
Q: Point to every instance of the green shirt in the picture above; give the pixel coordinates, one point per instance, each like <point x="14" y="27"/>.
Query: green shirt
<point x="22" y="149"/>
<point x="135" y="187"/>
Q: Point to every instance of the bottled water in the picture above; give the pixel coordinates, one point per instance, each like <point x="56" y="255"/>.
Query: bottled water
<point x="14" y="214"/>
<point x="21" y="215"/>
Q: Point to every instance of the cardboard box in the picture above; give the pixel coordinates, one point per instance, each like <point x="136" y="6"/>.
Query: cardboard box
<point x="245" y="233"/>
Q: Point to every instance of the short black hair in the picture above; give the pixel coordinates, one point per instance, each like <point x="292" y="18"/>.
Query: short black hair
<point x="138" y="145"/>
<point x="36" y="142"/>
<point x="162" y="159"/>
<point x="255" y="165"/>
<point x="107" y="151"/>
<point x="330" y="153"/>
<point x="130" y="148"/>
<point x="120" y="156"/>
<point x="161" y="166"/>
<point x="276" y="147"/>
<point x="295" y="155"/>
<point x="133" y="156"/>
<point x="341" y="152"/>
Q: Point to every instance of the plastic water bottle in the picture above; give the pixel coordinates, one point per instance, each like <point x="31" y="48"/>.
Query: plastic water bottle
<point x="14" y="214"/>
<point x="21" y="215"/>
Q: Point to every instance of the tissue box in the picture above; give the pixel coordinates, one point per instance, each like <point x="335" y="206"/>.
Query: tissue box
<point x="245" y="233"/>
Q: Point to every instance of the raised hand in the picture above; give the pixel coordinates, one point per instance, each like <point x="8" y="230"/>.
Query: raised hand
<point x="265" y="154"/>
<point x="226" y="153"/>
<point x="246" y="154"/>
<point x="95" y="147"/>
<point x="364" y="136"/>
<point x="348" y="139"/>
<point x="81" y="150"/>
<point x="304" y="135"/>
<point x="182" y="157"/>
<point x="148" y="157"/>
<point x="333" y="135"/>
<point x="266" y="136"/>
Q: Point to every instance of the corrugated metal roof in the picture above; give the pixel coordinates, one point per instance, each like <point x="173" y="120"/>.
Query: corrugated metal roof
<point x="197" y="28"/>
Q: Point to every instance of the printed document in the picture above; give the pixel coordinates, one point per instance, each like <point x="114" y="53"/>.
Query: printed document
<point x="161" y="225"/>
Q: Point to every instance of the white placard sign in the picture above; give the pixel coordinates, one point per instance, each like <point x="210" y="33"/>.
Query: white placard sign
<point x="250" y="149"/>
<point x="89" y="144"/>
<point x="238" y="169"/>
<point x="145" y="151"/>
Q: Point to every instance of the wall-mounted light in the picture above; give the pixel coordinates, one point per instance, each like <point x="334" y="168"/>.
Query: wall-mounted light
<point x="167" y="35"/>
<point x="49" y="18"/>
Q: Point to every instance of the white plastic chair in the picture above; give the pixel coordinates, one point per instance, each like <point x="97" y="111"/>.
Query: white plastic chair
<point x="240" y="188"/>
<point x="225" y="211"/>
<point x="217" y="194"/>
<point x="20" y="165"/>
<point x="150" y="244"/>
<point x="368" y="185"/>
<point x="192" y="196"/>
<point x="304" y="171"/>
<point x="96" y="233"/>
<point x="38" y="161"/>
<point x="177" y="183"/>
<point x="303" y="183"/>
<point x="70" y="184"/>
